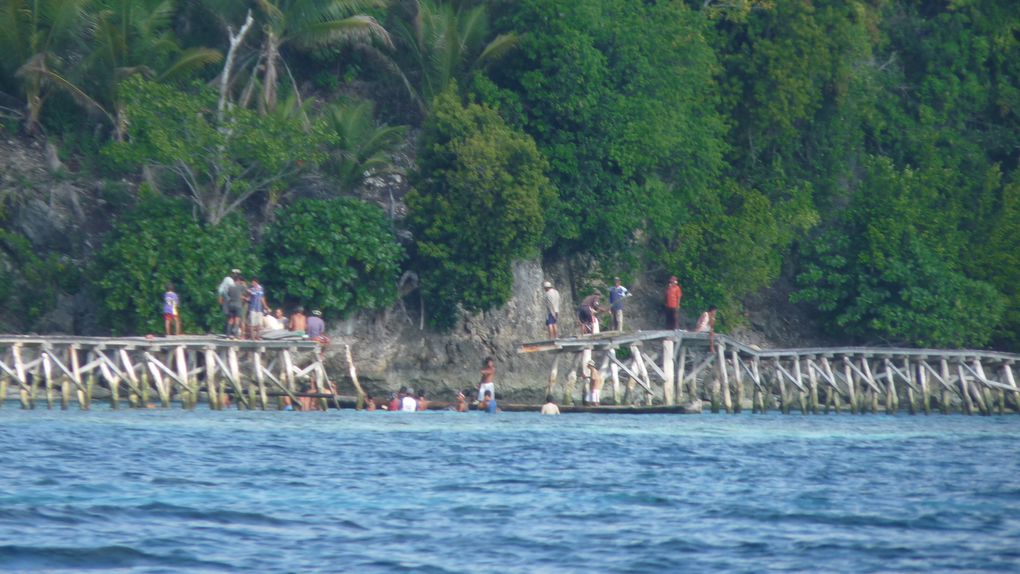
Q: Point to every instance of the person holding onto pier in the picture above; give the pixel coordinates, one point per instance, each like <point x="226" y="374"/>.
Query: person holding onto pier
<point x="550" y="408"/>
<point x="256" y="308"/>
<point x="316" y="326"/>
<point x="488" y="403"/>
<point x="673" y="295"/>
<point x="487" y="384"/>
<point x="552" y="308"/>
<point x="587" y="313"/>
<point x="170" y="312"/>
<point x="594" y="384"/>
<point x="616" y="296"/>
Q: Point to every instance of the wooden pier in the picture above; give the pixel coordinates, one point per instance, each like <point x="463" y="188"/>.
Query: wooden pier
<point x="685" y="368"/>
<point x="150" y="371"/>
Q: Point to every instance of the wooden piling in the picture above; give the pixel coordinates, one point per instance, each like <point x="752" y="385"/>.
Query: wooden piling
<point x="851" y="389"/>
<point x="723" y="377"/>
<point x="738" y="381"/>
<point x="922" y="381"/>
<point x="554" y="374"/>
<point x="812" y="385"/>
<point x="668" y="383"/>
<point x="614" y="373"/>
<point x="681" y="369"/>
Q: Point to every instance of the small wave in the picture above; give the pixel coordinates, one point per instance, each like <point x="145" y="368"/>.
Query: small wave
<point x="21" y="558"/>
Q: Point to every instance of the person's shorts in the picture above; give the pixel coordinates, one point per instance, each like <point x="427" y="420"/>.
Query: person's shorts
<point x="254" y="318"/>
<point x="233" y="311"/>
<point x="491" y="387"/>
<point x="169" y="316"/>
<point x="550" y="319"/>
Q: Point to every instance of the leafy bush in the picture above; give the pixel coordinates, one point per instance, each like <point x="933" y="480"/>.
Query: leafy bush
<point x="29" y="284"/>
<point x="160" y="242"/>
<point x="339" y="255"/>
<point x="478" y="204"/>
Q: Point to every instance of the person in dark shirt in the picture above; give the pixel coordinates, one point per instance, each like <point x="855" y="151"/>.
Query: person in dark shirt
<point x="316" y="326"/>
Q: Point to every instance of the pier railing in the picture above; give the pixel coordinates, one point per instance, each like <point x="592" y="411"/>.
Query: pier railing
<point x="685" y="368"/>
<point x="183" y="368"/>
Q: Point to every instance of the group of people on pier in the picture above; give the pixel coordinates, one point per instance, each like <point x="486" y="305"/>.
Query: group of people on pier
<point x="590" y="307"/>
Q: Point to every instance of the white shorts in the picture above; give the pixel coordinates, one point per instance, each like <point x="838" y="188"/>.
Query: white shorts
<point x="255" y="318"/>
<point x="491" y="387"/>
<point x="593" y="397"/>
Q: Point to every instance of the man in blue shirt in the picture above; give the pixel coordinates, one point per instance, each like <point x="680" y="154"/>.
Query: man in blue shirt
<point x="616" y="297"/>
<point x="489" y="403"/>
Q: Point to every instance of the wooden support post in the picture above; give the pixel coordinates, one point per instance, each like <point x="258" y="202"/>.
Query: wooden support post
<point x="554" y="374"/>
<point x="802" y="396"/>
<point x="849" y="375"/>
<point x="909" y="374"/>
<point x="571" y="386"/>
<point x="834" y="393"/>
<point x="812" y="385"/>
<point x="989" y="399"/>
<point x="1007" y="373"/>
<point x="872" y="393"/>
<point x="288" y="368"/>
<point x="4" y="382"/>
<point x="19" y="369"/>
<point x="235" y="376"/>
<point x="946" y="395"/>
<point x="724" y="378"/>
<point x="668" y="383"/>
<point x="256" y="359"/>
<point x="968" y="404"/>
<point x="189" y="398"/>
<point x="784" y="404"/>
<point x="922" y="381"/>
<point x="157" y="379"/>
<point x="114" y="382"/>
<point x="680" y="366"/>
<point x="215" y="401"/>
<point x="72" y="355"/>
<point x="47" y="365"/>
<point x="890" y="388"/>
<point x="643" y="371"/>
<point x="738" y="381"/>
<point x="614" y="373"/>
<point x="760" y="390"/>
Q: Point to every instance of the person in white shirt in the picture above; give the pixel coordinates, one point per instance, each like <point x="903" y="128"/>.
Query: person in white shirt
<point x="552" y="308"/>
<point x="408" y="403"/>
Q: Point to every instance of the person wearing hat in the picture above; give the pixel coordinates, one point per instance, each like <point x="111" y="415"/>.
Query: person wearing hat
<point x="552" y="308"/>
<point x="316" y="326"/>
<point x="587" y="313"/>
<point x="673" y="296"/>
<point x="594" y="384"/>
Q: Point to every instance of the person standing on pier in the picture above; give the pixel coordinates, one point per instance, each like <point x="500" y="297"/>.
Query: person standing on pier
<point x="552" y="307"/>
<point x="706" y="322"/>
<point x="170" y="312"/>
<point x="616" y="296"/>
<point x="673" y="296"/>
<point x="235" y="304"/>
<point x="223" y="292"/>
<point x="256" y="308"/>
<point x="487" y="384"/>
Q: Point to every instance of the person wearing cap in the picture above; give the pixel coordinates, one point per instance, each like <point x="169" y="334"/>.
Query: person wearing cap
<point x="616" y="296"/>
<point x="316" y="326"/>
<point x="552" y="308"/>
<point x="673" y="296"/>
<point x="594" y="384"/>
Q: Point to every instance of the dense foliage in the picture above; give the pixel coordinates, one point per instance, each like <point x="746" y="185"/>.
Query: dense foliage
<point x="478" y="204"/>
<point x="864" y="152"/>
<point x="335" y="255"/>
<point x="157" y="243"/>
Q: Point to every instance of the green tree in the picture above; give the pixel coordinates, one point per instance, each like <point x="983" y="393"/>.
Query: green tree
<point x="30" y="282"/>
<point x="477" y="205"/>
<point x="222" y="162"/>
<point x="339" y="255"/>
<point x="159" y="242"/>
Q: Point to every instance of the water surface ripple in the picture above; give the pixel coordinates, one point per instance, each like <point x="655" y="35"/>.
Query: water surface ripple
<point x="178" y="491"/>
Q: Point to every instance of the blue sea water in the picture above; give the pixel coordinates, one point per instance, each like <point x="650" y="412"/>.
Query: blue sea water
<point x="178" y="491"/>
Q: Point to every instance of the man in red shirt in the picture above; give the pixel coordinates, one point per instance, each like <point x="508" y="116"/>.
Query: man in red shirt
<point x="673" y="295"/>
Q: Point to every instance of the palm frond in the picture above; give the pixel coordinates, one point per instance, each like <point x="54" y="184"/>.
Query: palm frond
<point x="189" y="61"/>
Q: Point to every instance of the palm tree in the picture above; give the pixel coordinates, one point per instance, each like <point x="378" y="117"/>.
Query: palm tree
<point x="446" y="41"/>
<point x="363" y="146"/>
<point x="39" y="39"/>
<point x="135" y="37"/>
<point x="311" y="25"/>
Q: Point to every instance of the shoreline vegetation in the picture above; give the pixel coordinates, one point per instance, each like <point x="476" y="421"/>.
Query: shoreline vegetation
<point x="858" y="158"/>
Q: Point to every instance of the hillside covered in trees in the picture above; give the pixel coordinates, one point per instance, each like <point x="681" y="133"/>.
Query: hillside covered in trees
<point x="864" y="150"/>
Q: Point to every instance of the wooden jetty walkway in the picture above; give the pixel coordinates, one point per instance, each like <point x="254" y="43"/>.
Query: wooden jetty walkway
<point x="685" y="368"/>
<point x="181" y="368"/>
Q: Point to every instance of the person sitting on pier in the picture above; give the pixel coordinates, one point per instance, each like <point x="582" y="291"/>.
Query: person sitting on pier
<point x="706" y="322"/>
<point x="488" y="403"/>
<point x="487" y="384"/>
<point x="316" y="326"/>
<point x="299" y="321"/>
<point x="594" y="384"/>
<point x="587" y="313"/>
<point x="552" y="309"/>
<point x="550" y="408"/>
<point x="170" y="311"/>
